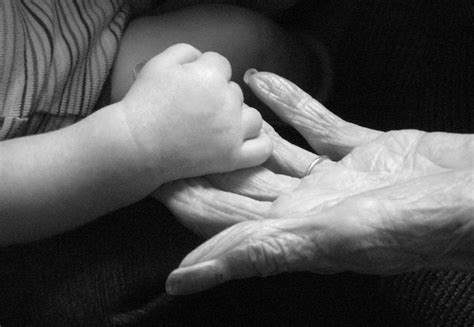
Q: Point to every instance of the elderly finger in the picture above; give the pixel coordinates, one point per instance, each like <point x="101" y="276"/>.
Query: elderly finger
<point x="257" y="183"/>
<point x="325" y="132"/>
<point x="206" y="210"/>
<point x="287" y="158"/>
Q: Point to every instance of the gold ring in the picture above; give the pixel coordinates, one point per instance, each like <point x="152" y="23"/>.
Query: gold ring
<point x="313" y="163"/>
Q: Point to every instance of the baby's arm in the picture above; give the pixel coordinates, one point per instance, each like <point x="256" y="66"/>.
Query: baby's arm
<point x="56" y="181"/>
<point x="181" y="118"/>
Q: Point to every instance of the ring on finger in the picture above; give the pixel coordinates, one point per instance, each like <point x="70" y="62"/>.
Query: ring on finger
<point x="315" y="162"/>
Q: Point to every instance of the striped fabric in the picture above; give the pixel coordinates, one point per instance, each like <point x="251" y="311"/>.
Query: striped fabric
<point x="55" y="56"/>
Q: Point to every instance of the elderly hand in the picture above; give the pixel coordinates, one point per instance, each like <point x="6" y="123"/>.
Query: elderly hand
<point x="396" y="201"/>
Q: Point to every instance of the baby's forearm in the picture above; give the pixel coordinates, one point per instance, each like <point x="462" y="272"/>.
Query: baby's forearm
<point x="54" y="182"/>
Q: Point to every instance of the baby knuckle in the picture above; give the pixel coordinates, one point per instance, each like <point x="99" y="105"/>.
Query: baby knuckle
<point x="211" y="76"/>
<point x="217" y="56"/>
<point x="184" y="47"/>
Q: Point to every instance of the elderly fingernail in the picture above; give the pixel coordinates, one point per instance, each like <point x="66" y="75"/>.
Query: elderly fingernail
<point x="173" y="285"/>
<point x="177" y="283"/>
<point x="194" y="279"/>
<point x="249" y="74"/>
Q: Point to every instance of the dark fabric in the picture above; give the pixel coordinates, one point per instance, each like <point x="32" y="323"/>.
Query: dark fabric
<point x="112" y="273"/>
<point x="434" y="298"/>
<point x="397" y="65"/>
<point x="113" y="265"/>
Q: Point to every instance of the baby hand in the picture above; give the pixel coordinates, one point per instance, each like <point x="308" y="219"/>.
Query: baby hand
<point x="186" y="118"/>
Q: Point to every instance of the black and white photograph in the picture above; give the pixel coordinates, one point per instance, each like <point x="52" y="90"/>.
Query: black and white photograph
<point x="236" y="163"/>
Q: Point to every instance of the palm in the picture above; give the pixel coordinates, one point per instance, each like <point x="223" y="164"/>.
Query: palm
<point x="391" y="158"/>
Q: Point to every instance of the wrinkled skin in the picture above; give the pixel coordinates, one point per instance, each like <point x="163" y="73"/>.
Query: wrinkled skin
<point x="394" y="202"/>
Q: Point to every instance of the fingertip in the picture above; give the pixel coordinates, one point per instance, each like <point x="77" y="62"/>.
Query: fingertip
<point x="173" y="283"/>
<point x="269" y="145"/>
<point x="256" y="151"/>
<point x="248" y="74"/>
<point x="196" y="278"/>
<point x="252" y="122"/>
<point x="262" y="83"/>
<point x="279" y="94"/>
<point x="270" y="131"/>
<point x="327" y="133"/>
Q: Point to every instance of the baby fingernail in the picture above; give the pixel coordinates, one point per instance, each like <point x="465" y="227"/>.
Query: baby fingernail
<point x="137" y="69"/>
<point x="249" y="74"/>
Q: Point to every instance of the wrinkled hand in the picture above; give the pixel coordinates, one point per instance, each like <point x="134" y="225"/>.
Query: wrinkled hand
<point x="186" y="118"/>
<point x="396" y="201"/>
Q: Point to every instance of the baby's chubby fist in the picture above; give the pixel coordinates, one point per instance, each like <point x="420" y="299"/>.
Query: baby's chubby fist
<point x="186" y="118"/>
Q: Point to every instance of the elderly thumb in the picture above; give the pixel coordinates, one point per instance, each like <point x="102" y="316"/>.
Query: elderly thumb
<point x="220" y="259"/>
<point x="249" y="249"/>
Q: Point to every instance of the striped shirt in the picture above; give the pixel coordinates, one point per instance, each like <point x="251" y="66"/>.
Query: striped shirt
<point x="55" y="56"/>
